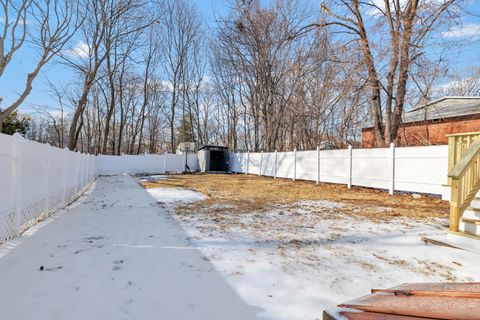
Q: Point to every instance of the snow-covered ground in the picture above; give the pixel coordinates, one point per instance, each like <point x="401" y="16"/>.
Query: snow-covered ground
<point x="174" y="195"/>
<point x="114" y="254"/>
<point x="294" y="261"/>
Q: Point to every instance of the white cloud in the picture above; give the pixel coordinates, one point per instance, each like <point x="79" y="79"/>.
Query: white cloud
<point x="467" y="30"/>
<point x="374" y="6"/>
<point x="81" y="50"/>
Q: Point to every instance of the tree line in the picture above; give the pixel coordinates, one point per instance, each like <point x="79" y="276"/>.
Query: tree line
<point x="277" y="75"/>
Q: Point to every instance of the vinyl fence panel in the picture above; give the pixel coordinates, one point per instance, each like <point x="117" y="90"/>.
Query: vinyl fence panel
<point x="238" y="162"/>
<point x="410" y="169"/>
<point x="285" y="165"/>
<point x="254" y="163"/>
<point x="147" y="163"/>
<point x="372" y="168"/>
<point x="36" y="180"/>
<point x="334" y="166"/>
<point x="268" y="164"/>
<point x="8" y="186"/>
<point x="306" y="165"/>
<point x="422" y="169"/>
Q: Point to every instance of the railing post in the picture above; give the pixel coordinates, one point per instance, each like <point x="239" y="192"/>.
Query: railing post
<point x="454" y="209"/>
<point x="318" y="164"/>
<point x="18" y="162"/>
<point x="294" y="164"/>
<point x="349" y="184"/>
<point x="451" y="155"/>
<point x="392" y="177"/>
<point x="275" y="166"/>
<point x="261" y="163"/>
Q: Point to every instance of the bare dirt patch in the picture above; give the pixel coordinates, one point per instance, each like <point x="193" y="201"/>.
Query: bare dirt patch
<point x="246" y="193"/>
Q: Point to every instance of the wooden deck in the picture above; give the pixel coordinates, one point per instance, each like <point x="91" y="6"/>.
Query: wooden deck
<point x="448" y="301"/>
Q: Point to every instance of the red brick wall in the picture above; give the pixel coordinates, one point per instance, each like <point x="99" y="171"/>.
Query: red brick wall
<point x="431" y="132"/>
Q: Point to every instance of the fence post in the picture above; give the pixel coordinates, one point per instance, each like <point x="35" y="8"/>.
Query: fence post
<point x="392" y="177"/>
<point x="80" y="166"/>
<point x="261" y="163"/>
<point x="89" y="167"/>
<point x="349" y="184"/>
<point x="318" y="164"/>
<point x="294" y="164"/>
<point x="77" y="172"/>
<point x="248" y="161"/>
<point x="122" y="164"/>
<point x="47" y="187"/>
<point x="65" y="171"/>
<point x="165" y="162"/>
<point x="18" y="161"/>
<point x="275" y="166"/>
<point x="144" y="162"/>
<point x="85" y="170"/>
<point x="80" y="171"/>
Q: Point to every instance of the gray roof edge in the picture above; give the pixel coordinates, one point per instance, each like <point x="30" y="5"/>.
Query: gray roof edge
<point x="445" y="98"/>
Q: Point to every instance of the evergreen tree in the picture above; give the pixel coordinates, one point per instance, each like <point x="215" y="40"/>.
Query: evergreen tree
<point x="185" y="130"/>
<point x="16" y="123"/>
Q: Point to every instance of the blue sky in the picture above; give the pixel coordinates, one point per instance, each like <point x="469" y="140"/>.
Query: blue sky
<point x="460" y="57"/>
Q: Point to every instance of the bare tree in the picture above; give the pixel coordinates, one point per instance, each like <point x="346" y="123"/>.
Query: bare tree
<point x="181" y="29"/>
<point x="108" y="22"/>
<point x="57" y="21"/>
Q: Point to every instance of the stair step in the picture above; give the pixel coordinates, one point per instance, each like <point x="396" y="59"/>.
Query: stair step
<point x="475" y="203"/>
<point x="472" y="221"/>
<point x="471" y="214"/>
<point x="471" y="228"/>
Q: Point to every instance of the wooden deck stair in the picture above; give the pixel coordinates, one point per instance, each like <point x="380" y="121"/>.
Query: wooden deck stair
<point x="470" y="221"/>
<point x="464" y="179"/>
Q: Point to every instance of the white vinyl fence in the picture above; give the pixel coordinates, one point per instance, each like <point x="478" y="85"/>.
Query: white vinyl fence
<point x="36" y="179"/>
<point x="147" y="163"/>
<point x="409" y="169"/>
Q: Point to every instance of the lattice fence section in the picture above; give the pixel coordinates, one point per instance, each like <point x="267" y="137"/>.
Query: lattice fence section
<point x="32" y="213"/>
<point x="56" y="201"/>
<point x="7" y="225"/>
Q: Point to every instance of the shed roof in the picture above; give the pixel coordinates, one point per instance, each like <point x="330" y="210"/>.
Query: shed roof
<point x="446" y="107"/>
<point x="209" y="146"/>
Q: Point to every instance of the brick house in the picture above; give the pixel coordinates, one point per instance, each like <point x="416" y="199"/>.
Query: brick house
<point x="429" y="124"/>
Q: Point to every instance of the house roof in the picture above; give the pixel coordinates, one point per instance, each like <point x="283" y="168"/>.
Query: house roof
<point x="447" y="107"/>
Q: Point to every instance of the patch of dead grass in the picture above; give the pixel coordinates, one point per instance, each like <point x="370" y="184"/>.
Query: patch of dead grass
<point x="248" y="193"/>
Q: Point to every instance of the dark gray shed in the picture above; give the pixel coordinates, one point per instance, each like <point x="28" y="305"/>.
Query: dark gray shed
<point x="213" y="158"/>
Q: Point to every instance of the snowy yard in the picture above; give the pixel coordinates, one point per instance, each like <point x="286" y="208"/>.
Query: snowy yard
<point x="296" y="258"/>
<point x="244" y="248"/>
